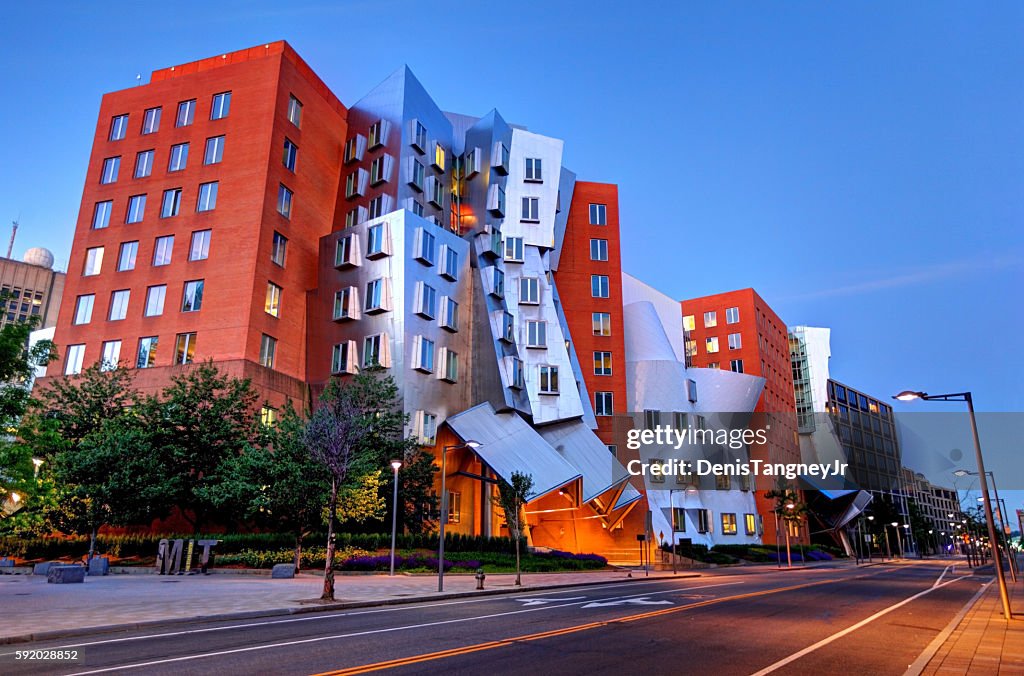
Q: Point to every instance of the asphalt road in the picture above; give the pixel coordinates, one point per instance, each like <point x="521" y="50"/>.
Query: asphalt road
<point x="875" y="620"/>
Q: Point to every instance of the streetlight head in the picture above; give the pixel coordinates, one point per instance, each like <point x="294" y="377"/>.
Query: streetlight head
<point x="38" y="462"/>
<point x="909" y="395"/>
<point x="790" y="505"/>
<point x="906" y="525"/>
<point x="950" y="515"/>
<point x="961" y="472"/>
<point x="930" y="531"/>
<point x="871" y="517"/>
<point x="895" y="523"/>
<point x="396" y="464"/>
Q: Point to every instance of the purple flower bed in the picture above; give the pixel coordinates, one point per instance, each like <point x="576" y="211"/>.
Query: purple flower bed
<point x="366" y="563"/>
<point x="558" y="554"/>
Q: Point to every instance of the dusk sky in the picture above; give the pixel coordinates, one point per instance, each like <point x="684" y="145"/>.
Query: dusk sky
<point x="861" y="165"/>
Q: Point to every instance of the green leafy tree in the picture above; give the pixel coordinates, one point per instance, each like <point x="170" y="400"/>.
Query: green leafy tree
<point x="17" y="368"/>
<point x="358" y="426"/>
<point x="790" y="508"/>
<point x="274" y="484"/>
<point x="416" y="498"/>
<point x="511" y="497"/>
<point x="201" y="420"/>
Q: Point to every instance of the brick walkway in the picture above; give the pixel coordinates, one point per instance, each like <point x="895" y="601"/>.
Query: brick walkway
<point x="984" y="643"/>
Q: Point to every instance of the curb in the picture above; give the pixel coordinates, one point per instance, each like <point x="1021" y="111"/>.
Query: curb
<point x="304" y="610"/>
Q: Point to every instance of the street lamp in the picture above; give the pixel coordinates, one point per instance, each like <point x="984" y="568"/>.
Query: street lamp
<point x="691" y="488"/>
<point x="395" y="465"/>
<point x="899" y="544"/>
<point x="908" y="395"/>
<point x="38" y="462"/>
<point x="444" y="504"/>
<point x="1001" y="505"/>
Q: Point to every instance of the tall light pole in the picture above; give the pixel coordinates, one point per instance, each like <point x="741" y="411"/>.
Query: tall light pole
<point x="395" y="465"/>
<point x="1002" y="518"/>
<point x="908" y="395"/>
<point x="444" y="504"/>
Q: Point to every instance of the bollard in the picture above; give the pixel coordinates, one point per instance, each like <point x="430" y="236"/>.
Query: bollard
<point x="480" y="577"/>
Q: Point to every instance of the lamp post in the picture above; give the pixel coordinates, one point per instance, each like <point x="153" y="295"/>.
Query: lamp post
<point x="899" y="543"/>
<point x="672" y="512"/>
<point x="444" y="504"/>
<point x="908" y="395"/>
<point x="395" y="465"/>
<point x="871" y="544"/>
<point x="1002" y="518"/>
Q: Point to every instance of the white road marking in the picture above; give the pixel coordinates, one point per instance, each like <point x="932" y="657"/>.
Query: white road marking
<point x="925" y="657"/>
<point x="944" y="571"/>
<point x="642" y="601"/>
<point x="328" y="615"/>
<point x="540" y="602"/>
<point x="852" y="628"/>
<point x="367" y="632"/>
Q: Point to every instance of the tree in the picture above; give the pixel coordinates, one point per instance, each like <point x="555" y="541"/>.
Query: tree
<point x="885" y="512"/>
<point x="511" y="498"/>
<point x="357" y="428"/>
<point x="790" y="508"/>
<point x="199" y="421"/>
<point x="18" y="363"/>
<point x="274" y="484"/>
<point x="416" y="487"/>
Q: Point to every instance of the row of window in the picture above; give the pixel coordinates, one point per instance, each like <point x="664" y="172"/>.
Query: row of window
<point x="191" y="301"/>
<point x="732" y="316"/>
<point x="704" y="521"/>
<point x="163" y="248"/>
<point x="170" y="205"/>
<point x="177" y="160"/>
<point x="711" y="344"/>
<point x="220" y="106"/>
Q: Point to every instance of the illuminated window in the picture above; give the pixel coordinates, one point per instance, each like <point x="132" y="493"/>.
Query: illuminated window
<point x="273" y="303"/>
<point x="185" y="348"/>
<point x="711" y="344"/>
<point x="602" y="363"/>
<point x="728" y="524"/>
<point x="268" y="416"/>
<point x="688" y="323"/>
<point x="439" y="157"/>
<point x="602" y="323"/>
<point x="750" y="521"/>
<point x="454" y="507"/>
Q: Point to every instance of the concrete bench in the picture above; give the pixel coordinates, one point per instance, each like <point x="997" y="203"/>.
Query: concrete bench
<point x="42" y="568"/>
<point x="282" y="571"/>
<point x="99" y="566"/>
<point x="65" y="574"/>
<point x="6" y="563"/>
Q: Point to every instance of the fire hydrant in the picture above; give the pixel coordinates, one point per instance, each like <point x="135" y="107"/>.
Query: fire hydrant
<point x="480" y="577"/>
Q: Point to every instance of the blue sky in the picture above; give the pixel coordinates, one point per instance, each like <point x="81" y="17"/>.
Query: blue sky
<point x="861" y="165"/>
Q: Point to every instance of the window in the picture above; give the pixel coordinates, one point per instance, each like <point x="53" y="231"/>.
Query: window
<point x="171" y="203"/>
<point x="657" y="478"/>
<point x="536" y="334"/>
<point x="548" y="379"/>
<point x="690" y="347"/>
<point x="118" y="127"/>
<point x="423" y="354"/>
<point x="599" y="286"/>
<point x="736" y="365"/>
<point x="268" y="416"/>
<point x="83" y="309"/>
<point x="93" y="261"/>
<point x="343" y="358"/>
<point x="454" y="507"/>
<point x="449" y="314"/>
<point x="354" y="148"/>
<point x="110" y="355"/>
<point x="598" y="214"/>
<point x="151" y="121"/>
<point x="377" y="295"/>
<point x="143" y="164"/>
<point x="101" y="215"/>
<point x="346" y="304"/>
<point x="419" y="136"/>
<point x="291" y="153"/>
<point x="376" y="241"/>
<point x="732" y="315"/>
<point x="294" y="111"/>
<point x="268" y="351"/>
<point x="273" y="303"/>
<point x="111" y="167"/>
<point x="278" y="249"/>
<point x="703" y="520"/>
<point x="533" y="169"/>
<point x="377" y="206"/>
<point x="186" y="113"/>
<point x="435" y="192"/>
<point x="214" y="150"/>
<point x="678" y="519"/>
<point x="449" y="366"/>
<point x="207" y="197"/>
<point x="710" y="320"/>
<point x="602" y="322"/>
<point x="185" y="348"/>
<point x="221" y="106"/>
<point x="499" y="158"/>
<point x="425" y="246"/>
<point x="723" y="482"/>
<point x="518" y="377"/>
<point x="711" y="344"/>
<point x="119" y="304"/>
<point x="598" y="249"/>
<point x="531" y="209"/>
<point x="136" y="209"/>
<point x="602" y="403"/>
<point x="514" y="249"/>
<point x="192" y="297"/>
<point x="376" y="351"/>
<point x="155" y="300"/>
<point x="417" y="174"/>
<point x="688" y="323"/>
<point x="735" y="341"/>
<point x="346" y="251"/>
<point x="200" y="248"/>
<point x="439" y="157"/>
<point x="426" y="300"/>
<point x="450" y="264"/>
<point x="529" y="290"/>
<point x="380" y="169"/>
<point x="74" y="360"/>
<point x="162" y="250"/>
<point x="377" y="135"/>
<point x="126" y="256"/>
<point x="744" y="482"/>
<point x="728" y="524"/>
<point x="284" y="201"/>
<point x="508" y="332"/>
<point x="179" y="157"/>
<point x="602" y="363"/>
<point x="496" y="199"/>
<point x="147" y="352"/>
<point x="471" y="161"/>
<point x="750" y="522"/>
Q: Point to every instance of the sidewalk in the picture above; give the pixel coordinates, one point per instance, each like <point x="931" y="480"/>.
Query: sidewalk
<point x="984" y="642"/>
<point x="35" y="610"/>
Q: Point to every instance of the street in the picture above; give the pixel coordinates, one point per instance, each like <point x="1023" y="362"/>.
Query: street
<point x="874" y="620"/>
